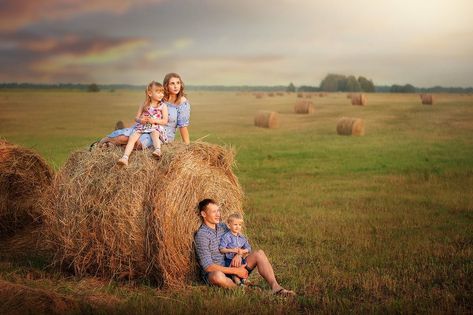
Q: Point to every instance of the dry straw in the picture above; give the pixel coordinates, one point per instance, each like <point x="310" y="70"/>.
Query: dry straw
<point x="271" y="94"/>
<point x="427" y="99"/>
<point x="259" y="95"/>
<point x="24" y="175"/>
<point x="349" y="126"/>
<point x="358" y="99"/>
<point x="267" y="119"/>
<point x="300" y="95"/>
<point x="115" y="222"/>
<point x="304" y="107"/>
<point x="20" y="299"/>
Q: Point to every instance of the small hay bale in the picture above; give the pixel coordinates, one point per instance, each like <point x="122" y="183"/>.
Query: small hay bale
<point x="304" y="107"/>
<point x="349" y="95"/>
<point x="119" y="125"/>
<point x="267" y="119"/>
<point x="349" y="126"/>
<point x="358" y="99"/>
<point x="121" y="223"/>
<point x="308" y="96"/>
<point x="271" y="94"/>
<point x="427" y="99"/>
<point x="280" y="94"/>
<point x="24" y="175"/>
<point x="259" y="95"/>
<point x="300" y="95"/>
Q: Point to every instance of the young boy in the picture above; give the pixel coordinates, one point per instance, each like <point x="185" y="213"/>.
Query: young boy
<point x="233" y="243"/>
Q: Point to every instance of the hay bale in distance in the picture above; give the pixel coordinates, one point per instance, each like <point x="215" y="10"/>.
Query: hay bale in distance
<point x="119" y="125"/>
<point x="300" y="95"/>
<point x="271" y="94"/>
<point x="427" y="99"/>
<point x="115" y="222"/>
<point x="280" y="94"/>
<point x="267" y="119"/>
<point x="358" y="99"/>
<point x="350" y="126"/>
<point x="259" y="95"/>
<point x="304" y="107"/>
<point x="24" y="175"/>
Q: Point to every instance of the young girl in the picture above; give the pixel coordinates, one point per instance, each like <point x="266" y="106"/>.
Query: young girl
<point x="150" y="118"/>
<point x="179" y="110"/>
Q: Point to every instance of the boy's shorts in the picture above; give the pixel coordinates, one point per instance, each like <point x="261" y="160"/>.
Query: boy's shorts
<point x="205" y="275"/>
<point x="229" y="261"/>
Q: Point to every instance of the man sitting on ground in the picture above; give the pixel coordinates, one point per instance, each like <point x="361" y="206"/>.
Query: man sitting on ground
<point x="212" y="262"/>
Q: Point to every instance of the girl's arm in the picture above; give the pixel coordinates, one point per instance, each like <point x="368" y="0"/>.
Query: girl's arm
<point x="138" y="118"/>
<point x="163" y="121"/>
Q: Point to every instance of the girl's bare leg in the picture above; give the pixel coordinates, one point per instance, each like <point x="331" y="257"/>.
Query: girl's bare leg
<point x="156" y="143"/>
<point x="131" y="143"/>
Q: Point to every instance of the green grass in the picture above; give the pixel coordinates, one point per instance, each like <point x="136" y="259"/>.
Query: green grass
<point x="380" y="223"/>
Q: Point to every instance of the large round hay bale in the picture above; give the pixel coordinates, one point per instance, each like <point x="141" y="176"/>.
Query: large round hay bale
<point x="304" y="107"/>
<point x="267" y="119"/>
<point x="427" y="99"/>
<point x="24" y="175"/>
<point x="349" y="126"/>
<point x="119" y="125"/>
<point x="115" y="222"/>
<point x="358" y="99"/>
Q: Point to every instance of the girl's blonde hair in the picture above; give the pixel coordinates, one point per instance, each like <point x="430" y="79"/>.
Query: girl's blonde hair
<point x="148" y="89"/>
<point x="166" y="80"/>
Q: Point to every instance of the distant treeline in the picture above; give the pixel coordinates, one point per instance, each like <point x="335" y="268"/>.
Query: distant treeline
<point x="331" y="83"/>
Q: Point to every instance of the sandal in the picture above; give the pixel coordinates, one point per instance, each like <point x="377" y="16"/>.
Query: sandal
<point x="123" y="161"/>
<point x="93" y="145"/>
<point x="157" y="154"/>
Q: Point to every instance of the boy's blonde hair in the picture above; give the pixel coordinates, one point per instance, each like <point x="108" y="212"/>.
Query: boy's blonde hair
<point x="234" y="216"/>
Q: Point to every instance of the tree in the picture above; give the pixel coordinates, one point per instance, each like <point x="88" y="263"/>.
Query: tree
<point x="352" y="84"/>
<point x="291" y="88"/>
<point x="93" y="88"/>
<point x="365" y="84"/>
<point x="408" y="88"/>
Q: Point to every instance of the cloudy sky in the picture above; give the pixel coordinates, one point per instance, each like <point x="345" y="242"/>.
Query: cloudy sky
<point x="244" y="42"/>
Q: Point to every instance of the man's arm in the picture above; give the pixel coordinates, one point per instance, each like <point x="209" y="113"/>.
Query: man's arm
<point x="241" y="271"/>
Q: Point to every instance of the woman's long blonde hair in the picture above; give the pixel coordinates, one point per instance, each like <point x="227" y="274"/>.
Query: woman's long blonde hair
<point x="148" y="89"/>
<point x="166" y="80"/>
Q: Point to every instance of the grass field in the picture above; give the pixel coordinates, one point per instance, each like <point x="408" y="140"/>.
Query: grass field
<point x="381" y="223"/>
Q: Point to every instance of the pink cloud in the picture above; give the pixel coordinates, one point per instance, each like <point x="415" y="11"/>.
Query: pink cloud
<point x="16" y="14"/>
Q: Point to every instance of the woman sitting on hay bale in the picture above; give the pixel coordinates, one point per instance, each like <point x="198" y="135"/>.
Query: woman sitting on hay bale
<point x="179" y="110"/>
